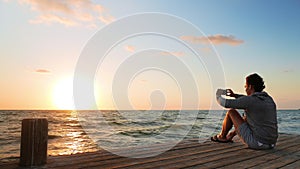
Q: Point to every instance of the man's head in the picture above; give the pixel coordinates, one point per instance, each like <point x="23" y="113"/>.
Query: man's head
<point x="254" y="83"/>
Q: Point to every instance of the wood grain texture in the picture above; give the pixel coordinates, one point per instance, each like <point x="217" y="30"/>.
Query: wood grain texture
<point x="34" y="139"/>
<point x="188" y="154"/>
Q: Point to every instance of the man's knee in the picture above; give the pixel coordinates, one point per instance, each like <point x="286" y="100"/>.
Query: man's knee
<point x="232" y="111"/>
<point x="235" y="116"/>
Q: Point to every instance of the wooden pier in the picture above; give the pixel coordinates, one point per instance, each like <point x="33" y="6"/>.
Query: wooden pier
<point x="187" y="154"/>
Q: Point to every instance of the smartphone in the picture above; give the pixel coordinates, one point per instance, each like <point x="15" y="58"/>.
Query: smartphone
<point x="224" y="92"/>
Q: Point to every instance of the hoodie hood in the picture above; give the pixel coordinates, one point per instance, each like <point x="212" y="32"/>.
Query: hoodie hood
<point x="261" y="95"/>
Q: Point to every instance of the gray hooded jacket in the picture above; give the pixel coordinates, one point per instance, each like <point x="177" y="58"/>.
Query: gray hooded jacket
<point x="261" y="114"/>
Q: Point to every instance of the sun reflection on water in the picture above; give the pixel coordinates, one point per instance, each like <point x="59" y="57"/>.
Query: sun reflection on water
<point x="69" y="137"/>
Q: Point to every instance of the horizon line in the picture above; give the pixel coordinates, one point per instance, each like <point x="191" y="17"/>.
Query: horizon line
<point x="122" y="109"/>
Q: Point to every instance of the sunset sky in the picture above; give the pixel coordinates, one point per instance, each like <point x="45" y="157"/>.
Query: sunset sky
<point x="41" y="41"/>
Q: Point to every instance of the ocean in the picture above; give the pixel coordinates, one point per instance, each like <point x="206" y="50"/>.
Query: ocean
<point x="72" y="132"/>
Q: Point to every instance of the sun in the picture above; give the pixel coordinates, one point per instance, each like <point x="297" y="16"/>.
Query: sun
<point x="62" y="94"/>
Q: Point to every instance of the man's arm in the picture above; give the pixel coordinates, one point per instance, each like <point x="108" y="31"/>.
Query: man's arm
<point x="238" y="95"/>
<point x="232" y="94"/>
<point x="241" y="102"/>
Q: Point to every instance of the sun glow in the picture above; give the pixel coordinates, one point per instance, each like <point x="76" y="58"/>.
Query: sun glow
<point x="63" y="94"/>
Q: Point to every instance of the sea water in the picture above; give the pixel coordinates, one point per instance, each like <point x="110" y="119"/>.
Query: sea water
<point x="72" y="132"/>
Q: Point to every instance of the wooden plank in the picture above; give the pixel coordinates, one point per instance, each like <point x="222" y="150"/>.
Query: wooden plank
<point x="283" y="156"/>
<point x="250" y="161"/>
<point x="187" y="154"/>
<point x="293" y="165"/>
<point x="106" y="156"/>
<point x="220" y="159"/>
<point x="215" y="158"/>
<point x="99" y="157"/>
<point x="170" y="155"/>
<point x="152" y="164"/>
<point x="180" y="161"/>
<point x="141" y="150"/>
<point x="262" y="156"/>
<point x="282" y="161"/>
<point x="152" y="161"/>
<point x="140" y="163"/>
<point x="252" y="155"/>
<point x="277" y="157"/>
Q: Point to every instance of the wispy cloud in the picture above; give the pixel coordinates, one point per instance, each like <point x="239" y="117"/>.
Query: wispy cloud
<point x="178" y="54"/>
<point x="106" y="18"/>
<point x="68" y="12"/>
<point x="42" y="71"/>
<point x="288" y="71"/>
<point x="129" y="48"/>
<point x="215" y="39"/>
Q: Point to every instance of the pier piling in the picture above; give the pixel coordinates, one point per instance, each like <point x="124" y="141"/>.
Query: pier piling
<point x="34" y="140"/>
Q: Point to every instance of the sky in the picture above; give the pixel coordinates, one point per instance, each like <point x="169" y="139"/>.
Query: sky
<point x="42" y="42"/>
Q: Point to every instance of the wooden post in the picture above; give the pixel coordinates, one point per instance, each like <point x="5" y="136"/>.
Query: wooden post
<point x="34" y="140"/>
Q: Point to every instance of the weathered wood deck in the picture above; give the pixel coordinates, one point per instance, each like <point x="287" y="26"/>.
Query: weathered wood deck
<point x="189" y="154"/>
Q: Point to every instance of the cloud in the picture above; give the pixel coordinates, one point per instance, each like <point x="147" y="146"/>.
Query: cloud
<point x="48" y="19"/>
<point x="288" y="71"/>
<point x="106" y="19"/>
<point x="178" y="54"/>
<point x="214" y="39"/>
<point x="68" y="12"/>
<point x="129" y="48"/>
<point x="42" y="71"/>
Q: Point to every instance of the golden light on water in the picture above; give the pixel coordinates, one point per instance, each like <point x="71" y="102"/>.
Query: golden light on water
<point x="69" y="137"/>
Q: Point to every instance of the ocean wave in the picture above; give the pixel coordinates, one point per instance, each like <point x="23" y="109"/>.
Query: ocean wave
<point x="143" y="132"/>
<point x="82" y="131"/>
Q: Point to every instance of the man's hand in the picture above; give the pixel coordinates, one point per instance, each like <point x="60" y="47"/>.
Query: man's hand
<point x="220" y="99"/>
<point x="220" y="92"/>
<point x="230" y="93"/>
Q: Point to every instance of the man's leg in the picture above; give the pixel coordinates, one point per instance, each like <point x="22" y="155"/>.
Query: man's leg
<point x="232" y="118"/>
<point x="233" y="133"/>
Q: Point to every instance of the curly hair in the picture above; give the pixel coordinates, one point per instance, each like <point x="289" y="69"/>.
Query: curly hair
<point x="256" y="81"/>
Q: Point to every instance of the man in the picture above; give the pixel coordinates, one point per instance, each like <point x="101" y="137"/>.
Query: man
<point x="258" y="130"/>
